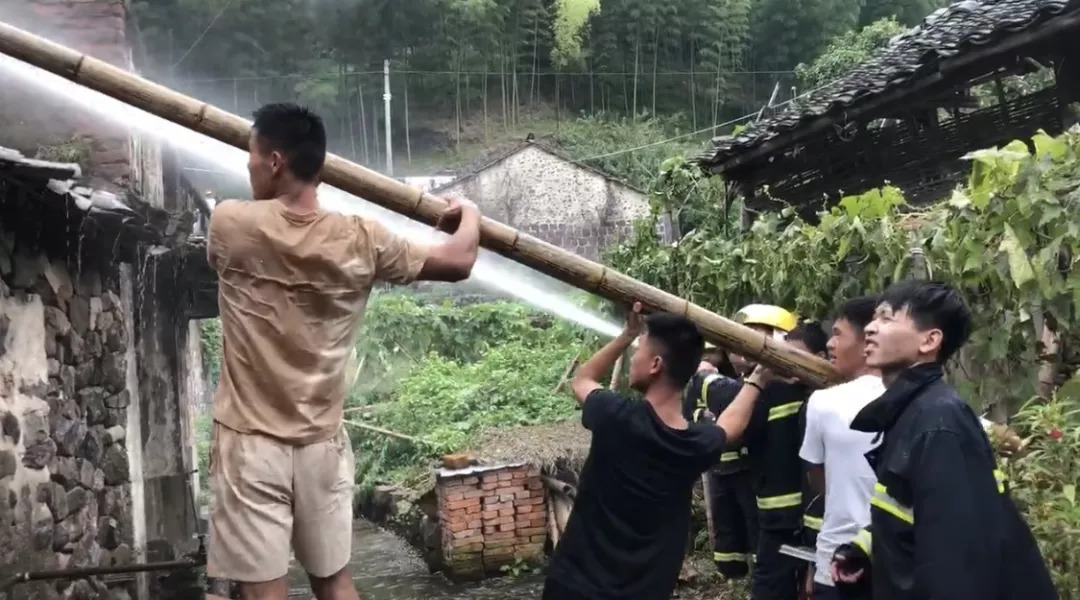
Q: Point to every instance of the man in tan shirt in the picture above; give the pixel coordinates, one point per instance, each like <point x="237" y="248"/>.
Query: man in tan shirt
<point x="293" y="282"/>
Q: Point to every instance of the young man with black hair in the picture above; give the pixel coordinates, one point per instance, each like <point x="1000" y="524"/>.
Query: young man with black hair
<point x="628" y="530"/>
<point x="293" y="283"/>
<point x="773" y="439"/>
<point x="942" y="524"/>
<point x="838" y="473"/>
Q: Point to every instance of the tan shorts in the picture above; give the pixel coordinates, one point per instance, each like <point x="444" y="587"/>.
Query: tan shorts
<point x="266" y="494"/>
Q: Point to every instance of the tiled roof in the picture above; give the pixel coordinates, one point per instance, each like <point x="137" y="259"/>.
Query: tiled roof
<point x="948" y="32"/>
<point x="58" y="185"/>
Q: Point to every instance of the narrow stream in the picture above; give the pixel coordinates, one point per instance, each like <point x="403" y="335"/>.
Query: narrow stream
<point x="385" y="567"/>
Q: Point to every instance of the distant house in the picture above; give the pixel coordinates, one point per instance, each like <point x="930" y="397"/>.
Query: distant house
<point x="539" y="191"/>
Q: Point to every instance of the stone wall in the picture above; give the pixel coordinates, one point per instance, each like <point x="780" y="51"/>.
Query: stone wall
<point x="64" y="408"/>
<point x="560" y="202"/>
<point x="490" y="517"/>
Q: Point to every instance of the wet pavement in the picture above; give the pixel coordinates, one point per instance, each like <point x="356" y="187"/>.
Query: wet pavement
<point x="385" y="567"/>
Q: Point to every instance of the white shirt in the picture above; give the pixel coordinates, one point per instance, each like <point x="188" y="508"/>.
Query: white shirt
<point x="849" y="480"/>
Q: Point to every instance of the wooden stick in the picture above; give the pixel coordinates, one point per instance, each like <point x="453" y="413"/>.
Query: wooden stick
<point x="570" y="366"/>
<point x="616" y="372"/>
<point x="553" y="526"/>
<point x="413" y="203"/>
<point x="387" y="432"/>
<point x="560" y="487"/>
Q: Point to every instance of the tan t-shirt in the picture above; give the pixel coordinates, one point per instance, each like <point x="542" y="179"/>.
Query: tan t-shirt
<point x="292" y="290"/>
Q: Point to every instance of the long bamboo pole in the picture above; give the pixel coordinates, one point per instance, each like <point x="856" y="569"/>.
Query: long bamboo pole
<point x="411" y="202"/>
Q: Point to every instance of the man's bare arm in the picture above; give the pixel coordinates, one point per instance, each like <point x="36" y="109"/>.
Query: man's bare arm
<point x="736" y="417"/>
<point x="453" y="259"/>
<point x="588" y="376"/>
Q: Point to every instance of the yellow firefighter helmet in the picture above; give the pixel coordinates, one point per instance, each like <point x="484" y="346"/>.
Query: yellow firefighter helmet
<point x="767" y="315"/>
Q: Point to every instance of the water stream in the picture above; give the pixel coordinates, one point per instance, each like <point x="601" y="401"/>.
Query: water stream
<point x="492" y="271"/>
<point x="384" y="567"/>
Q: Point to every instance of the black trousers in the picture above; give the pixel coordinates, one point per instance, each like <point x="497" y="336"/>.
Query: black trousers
<point x="777" y="576"/>
<point x="553" y="590"/>
<point x="733" y="510"/>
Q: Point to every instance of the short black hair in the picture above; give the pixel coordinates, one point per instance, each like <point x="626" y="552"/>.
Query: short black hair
<point x="679" y="343"/>
<point x="295" y="132"/>
<point x="811" y="334"/>
<point x="858" y="311"/>
<point x="933" y="305"/>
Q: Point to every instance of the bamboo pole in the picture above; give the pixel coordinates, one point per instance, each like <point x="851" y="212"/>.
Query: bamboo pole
<point x="413" y="203"/>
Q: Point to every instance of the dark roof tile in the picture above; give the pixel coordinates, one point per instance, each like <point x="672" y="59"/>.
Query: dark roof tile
<point x="946" y="32"/>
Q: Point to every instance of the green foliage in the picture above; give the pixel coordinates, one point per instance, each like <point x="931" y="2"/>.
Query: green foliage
<point x="1043" y="482"/>
<point x="570" y="18"/>
<point x="72" y="150"/>
<point x="1008" y="239"/>
<point x="595" y="136"/>
<point x="846" y="51"/>
<point x="210" y="330"/>
<point x="448" y="371"/>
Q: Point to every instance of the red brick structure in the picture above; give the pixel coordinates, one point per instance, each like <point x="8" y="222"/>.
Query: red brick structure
<point x="490" y="516"/>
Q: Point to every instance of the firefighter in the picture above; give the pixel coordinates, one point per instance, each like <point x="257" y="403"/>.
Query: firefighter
<point x="733" y="504"/>
<point x="733" y="514"/>
<point x="778" y="475"/>
<point x="941" y="523"/>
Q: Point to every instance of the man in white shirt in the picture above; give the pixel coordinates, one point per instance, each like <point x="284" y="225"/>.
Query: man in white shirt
<point x="836" y="453"/>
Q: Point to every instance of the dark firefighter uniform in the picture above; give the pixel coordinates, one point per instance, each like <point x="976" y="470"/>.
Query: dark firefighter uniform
<point x="942" y="524"/>
<point x="779" y="477"/>
<point x="731" y="495"/>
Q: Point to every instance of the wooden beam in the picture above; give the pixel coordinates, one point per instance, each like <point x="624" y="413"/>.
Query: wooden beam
<point x="948" y="69"/>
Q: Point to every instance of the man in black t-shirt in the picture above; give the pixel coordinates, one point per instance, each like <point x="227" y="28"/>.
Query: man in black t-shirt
<point x="628" y="530"/>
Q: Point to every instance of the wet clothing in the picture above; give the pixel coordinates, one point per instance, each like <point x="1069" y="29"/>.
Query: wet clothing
<point x="942" y="524"/>
<point x="292" y="289"/>
<point x="732" y="507"/>
<point x="773" y="440"/>
<point x="627" y="534"/>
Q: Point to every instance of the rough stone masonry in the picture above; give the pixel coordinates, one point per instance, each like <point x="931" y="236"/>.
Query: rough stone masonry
<point x="490" y="517"/>
<point x="65" y="486"/>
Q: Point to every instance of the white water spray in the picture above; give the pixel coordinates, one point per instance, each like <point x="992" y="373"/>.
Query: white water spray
<point x="492" y="270"/>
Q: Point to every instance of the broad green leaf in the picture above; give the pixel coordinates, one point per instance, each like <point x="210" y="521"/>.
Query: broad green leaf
<point x="1019" y="264"/>
<point x="1054" y="148"/>
<point x="1069" y="491"/>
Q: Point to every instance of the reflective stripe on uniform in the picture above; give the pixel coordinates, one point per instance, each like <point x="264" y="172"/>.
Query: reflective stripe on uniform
<point x="887" y="503"/>
<point x="705" y="383"/>
<point x="730" y="557"/>
<point x="812" y="522"/>
<point x="894" y="507"/>
<point x="784" y="410"/>
<point x="864" y="540"/>
<point x="778" y="502"/>
<point x="730" y="456"/>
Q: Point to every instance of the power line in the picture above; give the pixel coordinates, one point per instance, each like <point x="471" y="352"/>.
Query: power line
<point x="204" y="32"/>
<point x="700" y="131"/>
<point x="704" y="75"/>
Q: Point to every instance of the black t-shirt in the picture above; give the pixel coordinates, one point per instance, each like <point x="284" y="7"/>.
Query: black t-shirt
<point x="628" y="530"/>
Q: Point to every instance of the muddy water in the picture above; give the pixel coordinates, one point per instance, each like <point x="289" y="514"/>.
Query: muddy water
<point x="386" y="568"/>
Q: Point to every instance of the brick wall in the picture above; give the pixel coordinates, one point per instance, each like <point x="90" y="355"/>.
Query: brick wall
<point x="490" y="517"/>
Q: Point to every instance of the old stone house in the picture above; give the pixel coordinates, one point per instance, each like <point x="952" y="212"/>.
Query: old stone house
<point x="537" y="190"/>
<point x="99" y="352"/>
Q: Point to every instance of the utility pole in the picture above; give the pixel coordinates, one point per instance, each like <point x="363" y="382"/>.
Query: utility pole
<point x="386" y="102"/>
